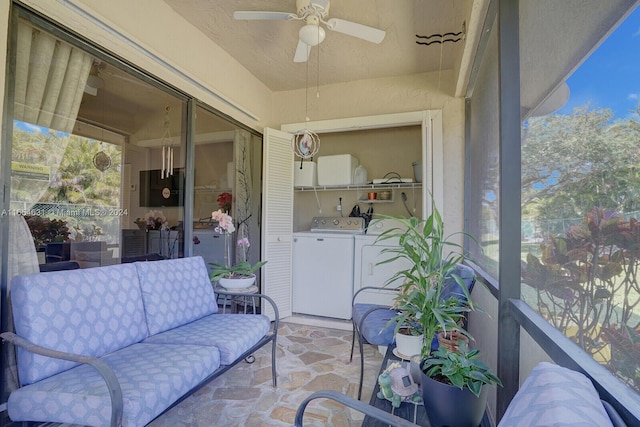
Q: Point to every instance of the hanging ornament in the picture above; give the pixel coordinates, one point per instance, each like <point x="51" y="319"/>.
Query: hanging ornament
<point x="101" y="160"/>
<point x="167" y="148"/>
<point x="305" y="144"/>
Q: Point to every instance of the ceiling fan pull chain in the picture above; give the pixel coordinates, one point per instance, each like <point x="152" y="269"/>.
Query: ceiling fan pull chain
<point x="318" y="70"/>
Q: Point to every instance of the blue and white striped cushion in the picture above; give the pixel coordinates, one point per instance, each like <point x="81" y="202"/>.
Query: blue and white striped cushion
<point x="175" y="292"/>
<point x="151" y="376"/>
<point x="91" y="312"/>
<point x="555" y="396"/>
<point x="232" y="334"/>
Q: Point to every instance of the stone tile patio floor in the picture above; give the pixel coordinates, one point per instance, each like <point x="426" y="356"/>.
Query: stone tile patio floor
<point x="309" y="358"/>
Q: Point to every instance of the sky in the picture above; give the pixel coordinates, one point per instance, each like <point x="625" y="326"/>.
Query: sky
<point x="610" y="77"/>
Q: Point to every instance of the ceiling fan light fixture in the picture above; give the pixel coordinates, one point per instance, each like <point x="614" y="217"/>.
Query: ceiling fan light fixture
<point x="312" y="35"/>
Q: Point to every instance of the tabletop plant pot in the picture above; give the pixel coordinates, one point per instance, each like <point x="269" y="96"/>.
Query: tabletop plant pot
<point x="238" y="276"/>
<point x="447" y="405"/>
<point x="449" y="339"/>
<point x="237" y="282"/>
<point x="454" y="386"/>
<point x="408" y="344"/>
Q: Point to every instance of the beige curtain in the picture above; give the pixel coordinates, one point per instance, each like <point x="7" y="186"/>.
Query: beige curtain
<point x="49" y="85"/>
<point x="50" y="79"/>
<point x="242" y="190"/>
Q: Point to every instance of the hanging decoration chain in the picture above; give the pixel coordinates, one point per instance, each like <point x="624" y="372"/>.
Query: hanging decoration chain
<point x="306" y="143"/>
<point x="167" y="148"/>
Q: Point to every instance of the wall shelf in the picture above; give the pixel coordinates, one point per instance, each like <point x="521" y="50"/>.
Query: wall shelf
<point x="211" y="189"/>
<point x="361" y="187"/>
<point x="365" y="200"/>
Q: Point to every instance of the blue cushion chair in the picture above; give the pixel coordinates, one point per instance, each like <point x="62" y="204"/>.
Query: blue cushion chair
<point x="371" y="324"/>
<point x="371" y="321"/>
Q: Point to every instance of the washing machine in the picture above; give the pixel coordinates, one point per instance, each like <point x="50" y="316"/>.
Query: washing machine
<point x="322" y="267"/>
<point x="367" y="268"/>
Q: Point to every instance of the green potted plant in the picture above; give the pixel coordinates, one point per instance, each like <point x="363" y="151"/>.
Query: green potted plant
<point x="452" y="380"/>
<point x="241" y="270"/>
<point x="425" y="296"/>
<point x="422" y="299"/>
<point x="409" y="337"/>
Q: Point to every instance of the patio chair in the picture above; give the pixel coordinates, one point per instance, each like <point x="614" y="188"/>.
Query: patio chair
<point x="371" y="321"/>
<point x="350" y="402"/>
<point x="371" y="324"/>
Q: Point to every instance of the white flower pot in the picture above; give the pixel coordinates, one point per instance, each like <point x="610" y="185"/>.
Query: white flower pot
<point x="237" y="283"/>
<point x="408" y="345"/>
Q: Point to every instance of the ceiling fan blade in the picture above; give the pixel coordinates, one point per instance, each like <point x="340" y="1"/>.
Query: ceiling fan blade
<point x="251" y="15"/>
<point x="349" y="28"/>
<point x="302" y="52"/>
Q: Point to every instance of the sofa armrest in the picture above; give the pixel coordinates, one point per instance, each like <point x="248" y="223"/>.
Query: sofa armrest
<point x="615" y="418"/>
<point x="371" y="411"/>
<point x="115" y="392"/>
<point x="276" y="313"/>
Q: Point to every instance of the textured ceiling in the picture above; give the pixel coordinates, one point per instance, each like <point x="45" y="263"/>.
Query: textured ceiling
<point x="266" y="48"/>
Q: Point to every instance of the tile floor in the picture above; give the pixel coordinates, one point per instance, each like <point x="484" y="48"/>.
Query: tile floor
<point x="309" y="358"/>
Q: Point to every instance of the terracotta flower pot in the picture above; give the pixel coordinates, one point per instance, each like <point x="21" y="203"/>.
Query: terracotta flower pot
<point x="450" y="339"/>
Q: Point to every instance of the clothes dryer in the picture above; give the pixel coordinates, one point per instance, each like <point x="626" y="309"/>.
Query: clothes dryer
<point x="367" y="271"/>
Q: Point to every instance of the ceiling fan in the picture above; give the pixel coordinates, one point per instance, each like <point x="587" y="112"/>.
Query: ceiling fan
<point x="314" y="12"/>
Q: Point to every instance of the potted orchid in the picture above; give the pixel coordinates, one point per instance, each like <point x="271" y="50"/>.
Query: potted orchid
<point x="239" y="275"/>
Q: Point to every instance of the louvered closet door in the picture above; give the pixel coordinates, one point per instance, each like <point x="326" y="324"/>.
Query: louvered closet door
<point x="277" y="219"/>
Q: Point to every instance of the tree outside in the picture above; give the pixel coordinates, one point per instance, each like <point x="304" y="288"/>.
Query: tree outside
<point x="63" y="177"/>
<point x="581" y="238"/>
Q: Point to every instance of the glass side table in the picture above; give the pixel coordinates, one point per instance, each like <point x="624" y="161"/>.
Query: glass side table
<point x="237" y="298"/>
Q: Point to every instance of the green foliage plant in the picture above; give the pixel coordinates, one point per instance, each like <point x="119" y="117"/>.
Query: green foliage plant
<point x="46" y="230"/>
<point x="239" y="270"/>
<point x="432" y="259"/>
<point x="462" y="368"/>
<point x="587" y="286"/>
